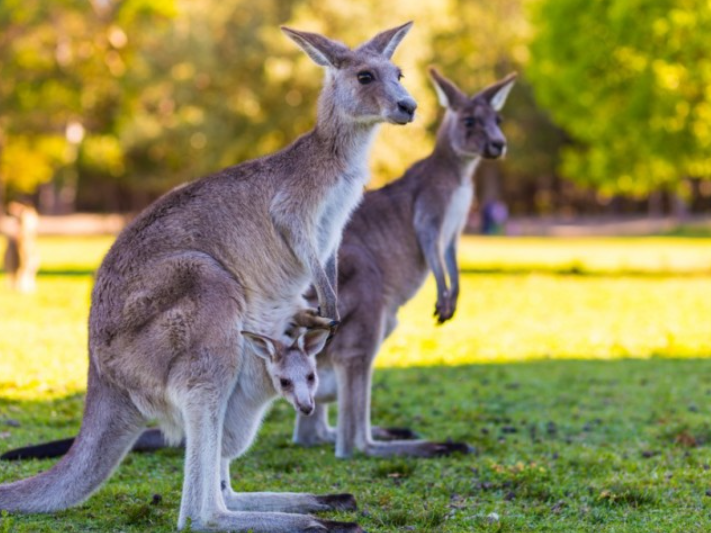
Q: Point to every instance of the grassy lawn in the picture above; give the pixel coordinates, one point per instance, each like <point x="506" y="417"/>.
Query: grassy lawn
<point x="563" y="367"/>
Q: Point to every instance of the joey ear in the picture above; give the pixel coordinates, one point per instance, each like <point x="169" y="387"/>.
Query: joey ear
<point x="386" y="42"/>
<point x="448" y="93"/>
<point x="313" y="341"/>
<point x="322" y="50"/>
<point x="262" y="346"/>
<point x="497" y="93"/>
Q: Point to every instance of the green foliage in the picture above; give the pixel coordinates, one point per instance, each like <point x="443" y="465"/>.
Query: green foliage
<point x="628" y="80"/>
<point x="62" y="63"/>
<point x="170" y="91"/>
<point x="33" y="160"/>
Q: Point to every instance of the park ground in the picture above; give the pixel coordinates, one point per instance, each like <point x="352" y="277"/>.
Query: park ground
<point x="576" y="368"/>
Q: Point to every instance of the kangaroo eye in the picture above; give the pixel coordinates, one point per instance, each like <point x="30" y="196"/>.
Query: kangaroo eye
<point x="285" y="383"/>
<point x="311" y="378"/>
<point x="469" y="122"/>
<point x="365" y="77"/>
<point x="400" y="75"/>
<point x="499" y="120"/>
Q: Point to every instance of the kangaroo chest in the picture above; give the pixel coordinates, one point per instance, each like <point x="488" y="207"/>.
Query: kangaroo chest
<point x="457" y="212"/>
<point x="338" y="206"/>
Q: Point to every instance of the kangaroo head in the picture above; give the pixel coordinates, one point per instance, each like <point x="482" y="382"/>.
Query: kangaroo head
<point x="471" y="125"/>
<point x="362" y="85"/>
<point x="292" y="369"/>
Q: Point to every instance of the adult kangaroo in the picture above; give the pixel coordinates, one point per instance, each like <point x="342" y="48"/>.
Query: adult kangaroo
<point x="397" y="236"/>
<point x="234" y="251"/>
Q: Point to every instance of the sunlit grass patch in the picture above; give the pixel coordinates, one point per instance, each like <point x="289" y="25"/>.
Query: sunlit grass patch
<point x="43" y="338"/>
<point x="606" y="255"/>
<point x="521" y="317"/>
<point x="508" y="315"/>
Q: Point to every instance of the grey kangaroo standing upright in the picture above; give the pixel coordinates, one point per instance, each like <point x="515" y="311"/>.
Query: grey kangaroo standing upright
<point x="231" y="252"/>
<point x="399" y="234"/>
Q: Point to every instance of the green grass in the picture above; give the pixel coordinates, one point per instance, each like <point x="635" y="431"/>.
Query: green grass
<point x="563" y="444"/>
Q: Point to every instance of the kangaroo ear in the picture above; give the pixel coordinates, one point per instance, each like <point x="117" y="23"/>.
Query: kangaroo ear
<point x="262" y="346"/>
<point x="322" y="50"/>
<point x="313" y="341"/>
<point x="497" y="93"/>
<point x="386" y="42"/>
<point x="448" y="93"/>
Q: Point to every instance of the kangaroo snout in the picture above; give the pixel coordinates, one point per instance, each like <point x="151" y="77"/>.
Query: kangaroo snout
<point x="407" y="105"/>
<point x="306" y="409"/>
<point x="405" y="111"/>
<point x="495" y="149"/>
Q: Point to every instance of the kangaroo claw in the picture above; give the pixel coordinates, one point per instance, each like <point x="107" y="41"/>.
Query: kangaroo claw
<point x="340" y="527"/>
<point x="339" y="502"/>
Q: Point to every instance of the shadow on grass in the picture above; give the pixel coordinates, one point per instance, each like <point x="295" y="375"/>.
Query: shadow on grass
<point x="558" y="443"/>
<point x="582" y="271"/>
<point x="554" y="270"/>
<point x="74" y="272"/>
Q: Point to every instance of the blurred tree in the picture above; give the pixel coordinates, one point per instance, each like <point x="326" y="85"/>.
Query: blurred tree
<point x="167" y="91"/>
<point x="629" y="80"/>
<point x="63" y="64"/>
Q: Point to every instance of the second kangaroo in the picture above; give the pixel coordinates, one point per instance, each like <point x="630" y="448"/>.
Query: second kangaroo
<point x="398" y="235"/>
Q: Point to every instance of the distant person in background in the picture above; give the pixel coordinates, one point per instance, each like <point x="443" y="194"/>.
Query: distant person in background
<point x="21" y="260"/>
<point x="494" y="215"/>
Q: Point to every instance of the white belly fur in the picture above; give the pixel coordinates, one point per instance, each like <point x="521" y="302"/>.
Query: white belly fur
<point x="457" y="213"/>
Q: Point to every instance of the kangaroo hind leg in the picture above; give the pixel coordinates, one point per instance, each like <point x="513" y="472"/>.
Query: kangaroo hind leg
<point x="203" y="505"/>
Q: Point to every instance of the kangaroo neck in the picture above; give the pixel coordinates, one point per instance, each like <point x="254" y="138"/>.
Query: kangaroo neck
<point x="344" y="140"/>
<point x="460" y="166"/>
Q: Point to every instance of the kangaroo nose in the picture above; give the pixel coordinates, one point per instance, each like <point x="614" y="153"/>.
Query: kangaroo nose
<point x="306" y="409"/>
<point x="496" y="148"/>
<point x="407" y="105"/>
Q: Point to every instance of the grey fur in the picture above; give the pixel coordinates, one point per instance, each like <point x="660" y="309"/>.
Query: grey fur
<point x="399" y="234"/>
<point x="234" y="251"/>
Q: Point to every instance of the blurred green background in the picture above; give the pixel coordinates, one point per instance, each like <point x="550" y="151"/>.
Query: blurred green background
<point x="106" y="104"/>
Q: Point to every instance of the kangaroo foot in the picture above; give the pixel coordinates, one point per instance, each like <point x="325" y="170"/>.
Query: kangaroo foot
<point x="339" y="527"/>
<point x="420" y="448"/>
<point x="394" y="434"/>
<point x="338" y="502"/>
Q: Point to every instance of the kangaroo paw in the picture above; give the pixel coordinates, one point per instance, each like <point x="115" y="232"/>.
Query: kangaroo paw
<point x="338" y="502"/>
<point x="441" y="449"/>
<point x="394" y="434"/>
<point x="311" y="319"/>
<point x="338" y="527"/>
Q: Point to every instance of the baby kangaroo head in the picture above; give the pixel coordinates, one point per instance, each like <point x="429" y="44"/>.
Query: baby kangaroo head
<point x="362" y="85"/>
<point x="472" y="125"/>
<point x="292" y="369"/>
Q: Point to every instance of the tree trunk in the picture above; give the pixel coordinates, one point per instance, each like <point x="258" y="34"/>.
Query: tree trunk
<point x="680" y="201"/>
<point x="654" y="205"/>
<point x="2" y="180"/>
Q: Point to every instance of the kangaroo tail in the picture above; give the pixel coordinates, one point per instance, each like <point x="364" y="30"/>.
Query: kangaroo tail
<point x="110" y="427"/>
<point x="149" y="441"/>
<point x="46" y="450"/>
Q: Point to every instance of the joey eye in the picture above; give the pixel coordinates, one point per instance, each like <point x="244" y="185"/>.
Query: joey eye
<point x="469" y="122"/>
<point x="285" y="383"/>
<point x="365" y="77"/>
<point x="310" y="378"/>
